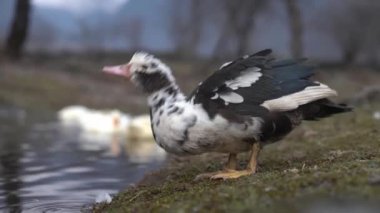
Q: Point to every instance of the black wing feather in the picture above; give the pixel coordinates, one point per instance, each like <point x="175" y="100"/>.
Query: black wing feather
<point x="234" y="69"/>
<point x="278" y="78"/>
<point x="290" y="72"/>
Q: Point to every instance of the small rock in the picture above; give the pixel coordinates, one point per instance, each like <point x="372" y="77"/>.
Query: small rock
<point x="293" y="170"/>
<point x="268" y="188"/>
<point x="374" y="179"/>
<point x="103" y="197"/>
<point x="376" y="115"/>
<point x="299" y="154"/>
<point x="310" y="133"/>
<point x="303" y="167"/>
<point x="370" y="94"/>
<point x="337" y="154"/>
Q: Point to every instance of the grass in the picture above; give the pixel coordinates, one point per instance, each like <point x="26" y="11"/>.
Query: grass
<point x="336" y="158"/>
<point x="51" y="83"/>
<point x="27" y="90"/>
<point x="54" y="85"/>
<point x="327" y="161"/>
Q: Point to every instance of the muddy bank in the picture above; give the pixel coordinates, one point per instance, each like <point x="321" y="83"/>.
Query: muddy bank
<point x="331" y="164"/>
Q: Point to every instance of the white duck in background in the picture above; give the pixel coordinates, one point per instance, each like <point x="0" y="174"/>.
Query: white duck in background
<point x="94" y="121"/>
<point x="111" y="130"/>
<point x="140" y="128"/>
<point x="105" y="122"/>
<point x="144" y="151"/>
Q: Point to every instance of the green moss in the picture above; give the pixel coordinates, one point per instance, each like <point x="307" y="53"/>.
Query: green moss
<point x="30" y="91"/>
<point x="337" y="157"/>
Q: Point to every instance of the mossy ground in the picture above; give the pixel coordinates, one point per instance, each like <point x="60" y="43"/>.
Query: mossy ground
<point x="51" y="83"/>
<point x="335" y="158"/>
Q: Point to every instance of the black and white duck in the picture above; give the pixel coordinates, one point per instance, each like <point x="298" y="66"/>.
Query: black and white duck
<point x="247" y="103"/>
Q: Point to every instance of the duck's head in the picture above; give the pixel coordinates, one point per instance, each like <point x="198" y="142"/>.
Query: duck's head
<point x="145" y="71"/>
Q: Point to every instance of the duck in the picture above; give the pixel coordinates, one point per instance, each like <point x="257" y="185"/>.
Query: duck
<point x="101" y="124"/>
<point x="94" y="121"/>
<point x="144" y="151"/>
<point x="139" y="128"/>
<point x="246" y="104"/>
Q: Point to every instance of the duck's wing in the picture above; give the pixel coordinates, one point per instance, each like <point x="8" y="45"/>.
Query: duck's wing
<point x="257" y="84"/>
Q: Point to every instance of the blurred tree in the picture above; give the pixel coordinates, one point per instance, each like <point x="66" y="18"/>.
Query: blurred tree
<point x="196" y="19"/>
<point x="239" y="22"/>
<point x="186" y="25"/>
<point x="135" y="28"/>
<point x="92" y="40"/>
<point x="19" y="29"/>
<point x="126" y="32"/>
<point x="43" y="35"/>
<point x="235" y="21"/>
<point x="371" y="32"/>
<point x="346" y="31"/>
<point x="295" y="26"/>
<point x="354" y="26"/>
<point x="6" y="14"/>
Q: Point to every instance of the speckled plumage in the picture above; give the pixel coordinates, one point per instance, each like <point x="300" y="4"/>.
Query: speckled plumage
<point x="252" y="99"/>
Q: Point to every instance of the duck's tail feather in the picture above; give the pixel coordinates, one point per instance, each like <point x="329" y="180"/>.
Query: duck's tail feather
<point x="322" y="108"/>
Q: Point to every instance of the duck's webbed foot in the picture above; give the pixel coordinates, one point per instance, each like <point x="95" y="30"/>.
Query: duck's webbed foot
<point x="229" y="167"/>
<point x="231" y="174"/>
<point x="230" y="171"/>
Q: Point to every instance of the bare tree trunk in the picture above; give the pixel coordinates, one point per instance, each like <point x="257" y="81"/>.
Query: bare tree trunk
<point x="239" y="24"/>
<point x="19" y="30"/>
<point x="196" y="26"/>
<point x="350" y="54"/>
<point x="186" y="26"/>
<point x="245" y="24"/>
<point x="219" y="49"/>
<point x="296" y="29"/>
<point x="243" y="37"/>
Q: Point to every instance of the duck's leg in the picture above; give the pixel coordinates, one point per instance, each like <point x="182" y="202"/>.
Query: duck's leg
<point x="230" y="166"/>
<point x="231" y="163"/>
<point x="251" y="167"/>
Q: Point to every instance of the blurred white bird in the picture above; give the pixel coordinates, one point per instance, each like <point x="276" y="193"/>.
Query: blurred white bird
<point x="95" y="121"/>
<point x="107" y="122"/>
<point x="140" y="128"/>
<point x="100" y="129"/>
<point x="144" y="151"/>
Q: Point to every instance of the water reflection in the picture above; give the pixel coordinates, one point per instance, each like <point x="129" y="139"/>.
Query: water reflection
<point x="10" y="155"/>
<point x="45" y="167"/>
<point x="10" y="173"/>
<point x="135" y="149"/>
<point x="142" y="151"/>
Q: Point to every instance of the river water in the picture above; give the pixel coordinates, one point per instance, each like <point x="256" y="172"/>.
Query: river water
<point x="47" y="168"/>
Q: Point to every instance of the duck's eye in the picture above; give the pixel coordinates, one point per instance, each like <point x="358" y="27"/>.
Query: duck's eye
<point x="144" y="67"/>
<point x="153" y="65"/>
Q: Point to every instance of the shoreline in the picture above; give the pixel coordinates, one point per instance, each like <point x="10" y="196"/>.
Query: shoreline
<point x="333" y="159"/>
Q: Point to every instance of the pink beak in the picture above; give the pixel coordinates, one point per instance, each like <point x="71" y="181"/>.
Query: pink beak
<point x="123" y="70"/>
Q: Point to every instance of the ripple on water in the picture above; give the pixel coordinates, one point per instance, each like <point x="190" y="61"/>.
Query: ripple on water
<point x="47" y="171"/>
<point x="69" y="205"/>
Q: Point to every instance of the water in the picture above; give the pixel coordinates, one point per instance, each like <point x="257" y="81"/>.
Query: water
<point x="45" y="168"/>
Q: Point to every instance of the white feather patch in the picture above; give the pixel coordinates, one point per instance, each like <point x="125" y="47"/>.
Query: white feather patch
<point x="246" y="79"/>
<point x="293" y="101"/>
<point x="231" y="97"/>
<point x="141" y="57"/>
<point x="225" y="64"/>
<point x="214" y="97"/>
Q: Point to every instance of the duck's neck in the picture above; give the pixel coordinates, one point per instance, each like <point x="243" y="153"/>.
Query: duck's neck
<point x="166" y="95"/>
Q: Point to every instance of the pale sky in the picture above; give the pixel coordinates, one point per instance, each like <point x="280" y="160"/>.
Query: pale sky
<point x="81" y="6"/>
